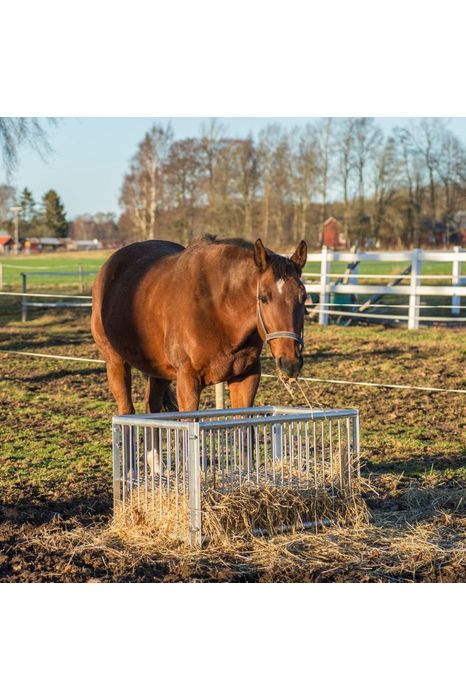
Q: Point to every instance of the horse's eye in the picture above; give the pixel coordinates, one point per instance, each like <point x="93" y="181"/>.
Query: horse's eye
<point x="264" y="299"/>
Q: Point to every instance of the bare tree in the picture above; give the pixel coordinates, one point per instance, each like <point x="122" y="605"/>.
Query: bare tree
<point x="269" y="139"/>
<point x="413" y="180"/>
<point x="7" y="200"/>
<point x="245" y="179"/>
<point x="325" y="148"/>
<point x="19" y="131"/>
<point x="385" y="173"/>
<point x="367" y="138"/>
<point x="184" y="182"/>
<point x="451" y="168"/>
<point x="427" y="136"/>
<point x="212" y="147"/>
<point x="305" y="177"/>
<point x="142" y="192"/>
<point x="345" y="147"/>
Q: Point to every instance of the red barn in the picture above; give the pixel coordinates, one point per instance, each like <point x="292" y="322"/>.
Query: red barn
<point x="331" y="235"/>
<point x="6" y="243"/>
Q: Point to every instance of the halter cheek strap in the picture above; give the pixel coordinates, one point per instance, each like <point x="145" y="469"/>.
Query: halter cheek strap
<point x="277" y="334"/>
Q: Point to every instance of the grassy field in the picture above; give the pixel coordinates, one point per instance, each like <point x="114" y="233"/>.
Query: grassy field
<point x="52" y="268"/>
<point x="55" y="466"/>
<point x="48" y="263"/>
<point x="61" y="272"/>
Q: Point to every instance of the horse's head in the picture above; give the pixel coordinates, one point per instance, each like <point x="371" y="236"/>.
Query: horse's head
<point x="280" y="305"/>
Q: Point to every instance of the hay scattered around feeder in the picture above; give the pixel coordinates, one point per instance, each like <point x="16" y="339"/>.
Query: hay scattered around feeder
<point x="242" y="513"/>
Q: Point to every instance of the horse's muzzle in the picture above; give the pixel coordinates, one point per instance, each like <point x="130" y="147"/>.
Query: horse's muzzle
<point x="290" y="367"/>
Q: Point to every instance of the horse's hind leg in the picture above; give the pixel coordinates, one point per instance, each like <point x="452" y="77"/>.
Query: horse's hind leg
<point x="155" y="392"/>
<point x="119" y="379"/>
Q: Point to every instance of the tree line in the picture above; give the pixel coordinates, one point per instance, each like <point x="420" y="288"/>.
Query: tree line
<point x="400" y="189"/>
<point x="48" y="218"/>
<point x="44" y="219"/>
<point x="404" y="188"/>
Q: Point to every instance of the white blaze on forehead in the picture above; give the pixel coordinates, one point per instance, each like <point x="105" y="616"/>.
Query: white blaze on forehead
<point x="280" y="284"/>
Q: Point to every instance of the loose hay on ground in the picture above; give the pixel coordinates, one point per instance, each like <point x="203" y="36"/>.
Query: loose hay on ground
<point x="242" y="513"/>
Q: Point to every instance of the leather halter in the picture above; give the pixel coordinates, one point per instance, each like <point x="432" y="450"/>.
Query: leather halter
<point x="276" y="334"/>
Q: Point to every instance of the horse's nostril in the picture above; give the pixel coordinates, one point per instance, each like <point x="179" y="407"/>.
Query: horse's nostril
<point x="289" y="367"/>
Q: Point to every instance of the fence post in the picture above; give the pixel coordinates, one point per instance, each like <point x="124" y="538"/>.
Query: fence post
<point x="455" y="280"/>
<point x="81" y="279"/>
<point x="194" y="476"/>
<point x="324" y="280"/>
<point x="413" y="313"/>
<point x="220" y="395"/>
<point x="24" y="288"/>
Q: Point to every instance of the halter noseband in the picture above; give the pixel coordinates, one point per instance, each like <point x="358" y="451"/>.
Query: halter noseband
<point x="277" y="334"/>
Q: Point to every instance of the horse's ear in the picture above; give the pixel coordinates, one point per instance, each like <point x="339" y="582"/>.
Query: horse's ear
<point x="299" y="257"/>
<point x="261" y="257"/>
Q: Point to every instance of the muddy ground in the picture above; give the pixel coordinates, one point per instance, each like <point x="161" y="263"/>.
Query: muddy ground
<point x="55" y="465"/>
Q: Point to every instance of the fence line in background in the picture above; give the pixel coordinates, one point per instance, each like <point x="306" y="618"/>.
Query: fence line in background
<point x="324" y="286"/>
<point x="413" y="290"/>
<point x="39" y="294"/>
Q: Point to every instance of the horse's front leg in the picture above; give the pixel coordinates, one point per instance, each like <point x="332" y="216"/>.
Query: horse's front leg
<point x="188" y="389"/>
<point x="243" y="389"/>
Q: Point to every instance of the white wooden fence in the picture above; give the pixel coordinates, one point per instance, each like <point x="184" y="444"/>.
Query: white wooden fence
<point x="412" y="285"/>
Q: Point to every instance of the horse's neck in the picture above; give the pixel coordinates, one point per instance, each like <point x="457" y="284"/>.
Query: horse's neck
<point x="237" y="300"/>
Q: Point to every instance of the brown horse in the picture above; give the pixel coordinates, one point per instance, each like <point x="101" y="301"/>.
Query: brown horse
<point x="198" y="315"/>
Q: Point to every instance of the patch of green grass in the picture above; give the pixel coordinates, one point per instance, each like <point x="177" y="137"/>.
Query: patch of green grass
<point x="49" y="266"/>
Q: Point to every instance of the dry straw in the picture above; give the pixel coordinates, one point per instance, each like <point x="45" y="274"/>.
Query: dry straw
<point x="242" y="513"/>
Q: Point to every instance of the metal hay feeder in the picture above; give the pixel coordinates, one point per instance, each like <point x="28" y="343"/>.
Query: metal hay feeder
<point x="163" y="463"/>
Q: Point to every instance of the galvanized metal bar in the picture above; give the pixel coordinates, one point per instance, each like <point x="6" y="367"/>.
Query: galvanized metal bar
<point x="356" y="445"/>
<point x="264" y="416"/>
<point x="348" y="451"/>
<point x="152" y="446"/>
<point x="130" y="465"/>
<point x="330" y="443"/>
<point x="306" y="451"/>
<point x="138" y="474"/>
<point x="146" y="479"/>
<point x="116" y="467"/>
<point x="323" y="450"/>
<point x="169" y="461"/>
<point x="160" y="459"/>
<point x="177" y="468"/>
<point x="299" y="439"/>
<point x="292" y="452"/>
<point x="194" y="469"/>
<point x="257" y="449"/>
<point x="340" y="462"/>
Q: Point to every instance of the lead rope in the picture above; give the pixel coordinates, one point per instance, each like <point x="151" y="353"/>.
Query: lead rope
<point x="295" y="382"/>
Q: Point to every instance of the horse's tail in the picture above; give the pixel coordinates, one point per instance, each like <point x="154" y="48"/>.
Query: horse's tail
<point x="169" y="399"/>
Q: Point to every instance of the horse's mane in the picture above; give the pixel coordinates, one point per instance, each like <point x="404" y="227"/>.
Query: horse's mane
<point x="282" y="267"/>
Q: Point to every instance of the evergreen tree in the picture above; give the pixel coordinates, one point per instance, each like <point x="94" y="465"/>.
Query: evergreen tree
<point x="28" y="213"/>
<point x="54" y="216"/>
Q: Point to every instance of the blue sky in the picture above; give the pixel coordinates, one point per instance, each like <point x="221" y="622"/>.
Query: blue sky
<point x="91" y="155"/>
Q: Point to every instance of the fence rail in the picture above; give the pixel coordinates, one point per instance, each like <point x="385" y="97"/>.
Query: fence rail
<point x="412" y="283"/>
<point x="414" y="288"/>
